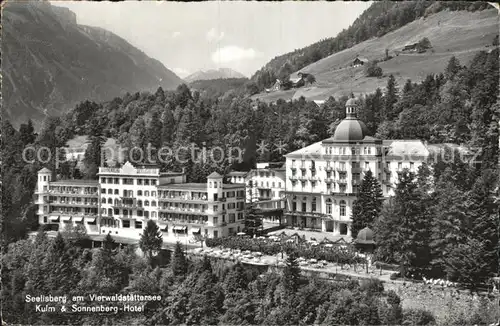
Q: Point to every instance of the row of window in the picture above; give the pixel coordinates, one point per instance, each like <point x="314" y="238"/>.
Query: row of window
<point x="129" y="181"/>
<point x="128" y="193"/>
<point x="128" y="212"/>
<point x="329" y="210"/>
<point x="266" y="184"/>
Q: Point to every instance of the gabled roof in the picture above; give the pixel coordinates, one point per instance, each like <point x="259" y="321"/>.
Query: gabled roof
<point x="44" y="170"/>
<point x="214" y="175"/>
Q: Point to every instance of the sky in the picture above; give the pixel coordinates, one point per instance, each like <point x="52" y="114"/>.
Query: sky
<point x="244" y="36"/>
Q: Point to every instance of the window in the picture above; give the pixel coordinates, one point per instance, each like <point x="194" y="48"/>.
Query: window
<point x="138" y="224"/>
<point x="367" y="165"/>
<point x="400" y="166"/>
<point x="125" y="212"/>
<point x="153" y="193"/>
<point x="126" y="224"/>
<point x="44" y="178"/>
<point x="110" y="191"/>
<point x="146" y="203"/>
<point x="117" y="192"/>
<point x="216" y="208"/>
<point x="313" y="208"/>
<point x="146" y="214"/>
<point x="116" y="181"/>
<point x="103" y="200"/>
<point x="153" y="182"/>
<point x="279" y="184"/>
<point x="153" y="203"/>
<point x="411" y="166"/>
<point x="139" y="203"/>
<point x="342" y="208"/>
<point x="146" y="193"/>
<point x="103" y="180"/>
<point x="139" y="192"/>
<point x="146" y="182"/>
<point x="103" y="191"/>
<point x="304" y="204"/>
<point x="117" y="211"/>
<point x="328" y="206"/>
<point x="139" y="182"/>
<point x="139" y="213"/>
<point x="313" y="184"/>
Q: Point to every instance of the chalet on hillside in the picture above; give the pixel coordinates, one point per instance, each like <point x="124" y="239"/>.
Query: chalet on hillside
<point x="276" y="87"/>
<point x="319" y="103"/>
<point x="411" y="47"/>
<point x="359" y="62"/>
<point x="300" y="80"/>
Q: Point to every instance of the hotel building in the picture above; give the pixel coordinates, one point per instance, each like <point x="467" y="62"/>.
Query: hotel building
<point x="265" y="188"/>
<point x="123" y="199"/>
<point x="323" y="179"/>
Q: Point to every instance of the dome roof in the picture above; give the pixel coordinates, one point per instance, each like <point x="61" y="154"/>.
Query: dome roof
<point x="365" y="236"/>
<point x="350" y="129"/>
<point x="352" y="102"/>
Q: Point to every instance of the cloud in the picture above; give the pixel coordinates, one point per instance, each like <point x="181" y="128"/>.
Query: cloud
<point x="213" y="36"/>
<point x="181" y="72"/>
<point x="175" y="34"/>
<point x="234" y="53"/>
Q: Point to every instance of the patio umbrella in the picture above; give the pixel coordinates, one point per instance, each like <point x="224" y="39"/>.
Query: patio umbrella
<point x="240" y="233"/>
<point x="329" y="245"/>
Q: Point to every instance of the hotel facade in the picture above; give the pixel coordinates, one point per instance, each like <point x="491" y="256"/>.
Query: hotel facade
<point x="323" y="179"/>
<point x="123" y="199"/>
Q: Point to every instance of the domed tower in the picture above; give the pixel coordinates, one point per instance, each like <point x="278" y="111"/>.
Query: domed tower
<point x="351" y="128"/>
<point x="214" y="185"/>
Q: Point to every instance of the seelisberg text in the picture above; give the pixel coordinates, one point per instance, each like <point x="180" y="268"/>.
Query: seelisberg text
<point x="46" y="298"/>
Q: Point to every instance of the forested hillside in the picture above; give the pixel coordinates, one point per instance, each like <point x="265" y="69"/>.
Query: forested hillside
<point x="459" y="106"/>
<point x="381" y="18"/>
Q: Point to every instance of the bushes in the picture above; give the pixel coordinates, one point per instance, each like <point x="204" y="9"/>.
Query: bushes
<point x="373" y="70"/>
<point x="394" y="276"/>
<point x="418" y="317"/>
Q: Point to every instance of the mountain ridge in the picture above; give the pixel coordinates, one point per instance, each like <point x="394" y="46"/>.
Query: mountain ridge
<point x="211" y="74"/>
<point x="51" y="63"/>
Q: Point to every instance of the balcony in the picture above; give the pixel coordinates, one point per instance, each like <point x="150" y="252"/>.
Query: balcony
<point x="179" y="210"/>
<point x="240" y="197"/>
<point x="72" y="204"/>
<point x="264" y="198"/>
<point x="340" y="193"/>
<point x="329" y="180"/>
<point x="329" y="168"/>
<point x="303" y="178"/>
<point x="341" y="169"/>
<point x="357" y="170"/>
<point x="303" y="168"/>
<point x="341" y="181"/>
<point x="183" y="198"/>
<point x="308" y="214"/>
<point x="294" y="177"/>
<point x="185" y="221"/>
<point x="128" y="206"/>
<point x="356" y="182"/>
<point x="293" y="168"/>
<point x="71" y="193"/>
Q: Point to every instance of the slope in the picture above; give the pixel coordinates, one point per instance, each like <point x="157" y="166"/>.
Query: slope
<point x="452" y="33"/>
<point x="50" y="63"/>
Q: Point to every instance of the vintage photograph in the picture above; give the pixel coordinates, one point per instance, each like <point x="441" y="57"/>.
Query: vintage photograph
<point x="250" y="163"/>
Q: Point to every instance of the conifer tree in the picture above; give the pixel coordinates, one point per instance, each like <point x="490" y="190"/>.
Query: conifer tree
<point x="368" y="204"/>
<point x="151" y="240"/>
<point x="179" y="263"/>
<point x="291" y="275"/>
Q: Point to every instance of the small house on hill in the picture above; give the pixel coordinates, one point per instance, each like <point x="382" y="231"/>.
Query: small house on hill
<point x="276" y="87"/>
<point x="298" y="81"/>
<point x="411" y="47"/>
<point x="359" y="61"/>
